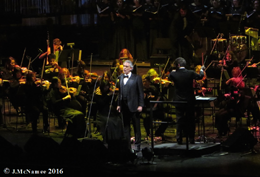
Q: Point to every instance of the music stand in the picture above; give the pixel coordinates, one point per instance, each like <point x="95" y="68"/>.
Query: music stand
<point x="157" y="62"/>
<point x="64" y="57"/>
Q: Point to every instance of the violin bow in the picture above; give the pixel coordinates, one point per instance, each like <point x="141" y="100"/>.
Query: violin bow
<point x="90" y="63"/>
<point x="23" y="57"/>
<point x="66" y="83"/>
<point x="44" y="60"/>
<point x="245" y="66"/>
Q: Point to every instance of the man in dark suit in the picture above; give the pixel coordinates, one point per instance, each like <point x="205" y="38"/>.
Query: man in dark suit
<point x="131" y="102"/>
<point x="183" y="82"/>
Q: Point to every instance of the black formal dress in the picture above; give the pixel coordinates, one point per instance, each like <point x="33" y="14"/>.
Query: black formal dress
<point x="130" y="97"/>
<point x="180" y="30"/>
<point x="183" y="82"/>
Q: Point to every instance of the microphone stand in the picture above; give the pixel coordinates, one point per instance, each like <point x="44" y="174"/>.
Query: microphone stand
<point x="110" y="107"/>
<point x="88" y="127"/>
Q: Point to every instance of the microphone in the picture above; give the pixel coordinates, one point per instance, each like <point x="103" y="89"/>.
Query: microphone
<point x="40" y="50"/>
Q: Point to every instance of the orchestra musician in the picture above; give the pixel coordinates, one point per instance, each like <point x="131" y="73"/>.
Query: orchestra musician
<point x="199" y="84"/>
<point x="53" y="68"/>
<point x="235" y="102"/>
<point x="183" y="81"/>
<point x="67" y="108"/>
<point x="125" y="55"/>
<point x="57" y="49"/>
<point x="35" y="102"/>
<point x="153" y="93"/>
<point x="7" y="71"/>
<point x="16" y="90"/>
<point x="131" y="102"/>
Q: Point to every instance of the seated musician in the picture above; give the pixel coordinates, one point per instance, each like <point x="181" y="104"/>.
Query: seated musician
<point x="234" y="105"/>
<point x="7" y="71"/>
<point x="16" y="92"/>
<point x="152" y="93"/>
<point x="255" y="105"/>
<point x="52" y="69"/>
<point x="125" y="55"/>
<point x="108" y="118"/>
<point x="81" y="68"/>
<point x="53" y="65"/>
<point x="64" y="75"/>
<point x="35" y="102"/>
<point x="199" y="85"/>
<point x="66" y="108"/>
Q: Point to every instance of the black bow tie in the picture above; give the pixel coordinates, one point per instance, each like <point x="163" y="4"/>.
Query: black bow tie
<point x="126" y="76"/>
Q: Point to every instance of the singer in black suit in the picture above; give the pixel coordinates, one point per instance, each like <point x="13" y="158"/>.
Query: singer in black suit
<point x="183" y="82"/>
<point x="131" y="102"/>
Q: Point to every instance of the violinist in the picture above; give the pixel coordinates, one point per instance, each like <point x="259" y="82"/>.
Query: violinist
<point x="7" y="74"/>
<point x="152" y="93"/>
<point x="199" y="85"/>
<point x="7" y="71"/>
<point x="53" y="66"/>
<point x="52" y="69"/>
<point x="237" y="79"/>
<point x="67" y="108"/>
<point x="65" y="77"/>
<point x="235" y="102"/>
<point x="35" y="102"/>
<point x="81" y="68"/>
<point x="16" y="91"/>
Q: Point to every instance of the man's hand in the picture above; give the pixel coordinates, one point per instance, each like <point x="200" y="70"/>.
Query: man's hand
<point x="118" y="108"/>
<point x="140" y="108"/>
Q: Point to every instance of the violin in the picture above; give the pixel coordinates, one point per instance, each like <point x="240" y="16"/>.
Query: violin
<point x="74" y="79"/>
<point x="23" y="69"/>
<point x="44" y="83"/>
<point x="71" y="90"/>
<point x="158" y="80"/>
<point x="93" y="75"/>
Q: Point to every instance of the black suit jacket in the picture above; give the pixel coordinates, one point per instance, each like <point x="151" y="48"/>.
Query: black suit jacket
<point x="135" y="95"/>
<point x="183" y="82"/>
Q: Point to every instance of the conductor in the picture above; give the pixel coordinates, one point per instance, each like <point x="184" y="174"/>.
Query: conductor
<point x="183" y="81"/>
